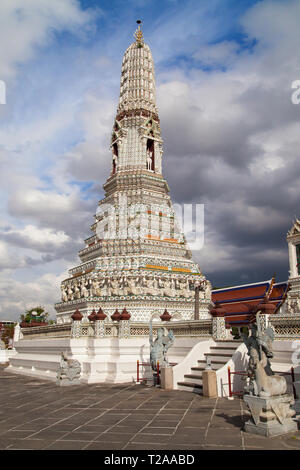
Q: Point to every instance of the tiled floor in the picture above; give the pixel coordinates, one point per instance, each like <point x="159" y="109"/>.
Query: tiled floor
<point x="39" y="415"/>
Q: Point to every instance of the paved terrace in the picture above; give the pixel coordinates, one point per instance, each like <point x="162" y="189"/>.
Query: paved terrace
<point x="37" y="414"/>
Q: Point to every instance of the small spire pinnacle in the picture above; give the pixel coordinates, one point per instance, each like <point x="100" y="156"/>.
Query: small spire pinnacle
<point x="139" y="33"/>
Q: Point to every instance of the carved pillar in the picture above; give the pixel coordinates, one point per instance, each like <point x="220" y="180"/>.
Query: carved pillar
<point x="17" y="334"/>
<point x="197" y="289"/>
<point x="264" y="310"/>
<point x="124" y="329"/>
<point x="293" y="259"/>
<point x="91" y="328"/>
<point x="264" y="321"/>
<point x="76" y="325"/>
<point x="100" y="324"/>
<point x="115" y="317"/>
<point x="219" y="331"/>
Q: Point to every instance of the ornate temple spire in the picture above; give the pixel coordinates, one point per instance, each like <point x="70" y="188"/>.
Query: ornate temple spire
<point x="137" y="256"/>
<point x="137" y="90"/>
<point x="136" y="137"/>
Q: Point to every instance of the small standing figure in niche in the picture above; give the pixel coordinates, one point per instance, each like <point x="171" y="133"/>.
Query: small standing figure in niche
<point x="149" y="160"/>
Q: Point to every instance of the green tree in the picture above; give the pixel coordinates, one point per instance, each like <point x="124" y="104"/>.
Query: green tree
<point x="36" y="314"/>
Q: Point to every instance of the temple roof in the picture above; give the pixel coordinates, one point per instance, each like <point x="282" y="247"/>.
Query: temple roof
<point x="295" y="230"/>
<point x="239" y="301"/>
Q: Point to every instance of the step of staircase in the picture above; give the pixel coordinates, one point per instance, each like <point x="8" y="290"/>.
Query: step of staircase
<point x="190" y="387"/>
<point x="194" y="378"/>
<point x="215" y="365"/>
<point x="230" y="343"/>
<point x="216" y="357"/>
<point x="221" y="350"/>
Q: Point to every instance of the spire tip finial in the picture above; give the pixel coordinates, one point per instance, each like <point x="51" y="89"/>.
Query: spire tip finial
<point x="139" y="33"/>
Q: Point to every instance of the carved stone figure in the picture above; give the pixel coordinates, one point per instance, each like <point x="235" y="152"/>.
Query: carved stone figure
<point x="70" y="292"/>
<point x="121" y="285"/>
<point x="149" y="160"/>
<point x="263" y="382"/>
<point x="114" y="286"/>
<point x="151" y="288"/>
<point x="114" y="163"/>
<point x="76" y="291"/>
<point x="176" y="288"/>
<point x="160" y="283"/>
<point x="132" y="286"/>
<point x="266" y="385"/>
<point x="84" y="291"/>
<point x="159" y="347"/>
<point x="293" y="306"/>
<point x="64" y="294"/>
<point x="105" y="287"/>
<point x="266" y="397"/>
<point x="95" y="291"/>
<point x="68" y="372"/>
<point x="185" y="289"/>
<point x="168" y="291"/>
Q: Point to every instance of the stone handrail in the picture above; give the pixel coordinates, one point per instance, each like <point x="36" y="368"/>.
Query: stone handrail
<point x="47" y="330"/>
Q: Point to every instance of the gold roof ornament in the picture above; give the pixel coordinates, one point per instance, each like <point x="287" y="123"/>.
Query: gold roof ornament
<point x="139" y="34"/>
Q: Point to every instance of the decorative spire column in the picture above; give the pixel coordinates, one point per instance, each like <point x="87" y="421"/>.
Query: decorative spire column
<point x="219" y="331"/>
<point x="124" y="329"/>
<point x="76" y="325"/>
<point x="100" y="324"/>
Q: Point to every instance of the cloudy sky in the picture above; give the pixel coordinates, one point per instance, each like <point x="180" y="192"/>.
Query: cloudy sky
<point x="224" y="74"/>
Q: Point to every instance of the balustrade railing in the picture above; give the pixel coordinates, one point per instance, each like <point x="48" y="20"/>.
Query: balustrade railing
<point x="286" y="327"/>
<point x="123" y="328"/>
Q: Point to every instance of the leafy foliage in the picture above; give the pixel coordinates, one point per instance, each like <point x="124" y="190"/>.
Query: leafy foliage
<point x="235" y="331"/>
<point x="36" y="314"/>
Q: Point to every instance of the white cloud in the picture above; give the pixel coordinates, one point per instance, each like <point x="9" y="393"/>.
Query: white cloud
<point x="220" y="54"/>
<point x="48" y="208"/>
<point x="44" y="239"/>
<point x="18" y="296"/>
<point x="9" y="260"/>
<point x="25" y="26"/>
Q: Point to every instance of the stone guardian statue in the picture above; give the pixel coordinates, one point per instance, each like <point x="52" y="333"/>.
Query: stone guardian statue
<point x="266" y="395"/>
<point x="159" y="347"/>
<point x="68" y="372"/>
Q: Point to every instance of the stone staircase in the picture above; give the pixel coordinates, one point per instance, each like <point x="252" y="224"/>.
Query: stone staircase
<point x="219" y="355"/>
